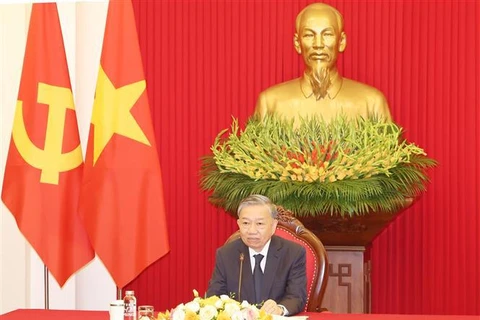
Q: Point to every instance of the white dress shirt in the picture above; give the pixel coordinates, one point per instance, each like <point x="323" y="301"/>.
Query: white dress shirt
<point x="264" y="252"/>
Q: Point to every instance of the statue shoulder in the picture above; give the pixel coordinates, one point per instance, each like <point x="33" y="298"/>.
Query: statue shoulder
<point x="282" y="89"/>
<point x="353" y="87"/>
<point x="372" y="98"/>
<point x="281" y="92"/>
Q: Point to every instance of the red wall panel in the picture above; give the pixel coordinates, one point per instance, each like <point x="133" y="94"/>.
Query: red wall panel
<point x="206" y="61"/>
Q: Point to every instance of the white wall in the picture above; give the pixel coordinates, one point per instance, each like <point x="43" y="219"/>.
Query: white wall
<point x="21" y="271"/>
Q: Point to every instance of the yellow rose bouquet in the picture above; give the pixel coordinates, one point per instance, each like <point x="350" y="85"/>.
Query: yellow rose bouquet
<point x="215" y="308"/>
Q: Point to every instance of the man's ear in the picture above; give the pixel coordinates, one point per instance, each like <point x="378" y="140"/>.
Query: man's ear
<point x="296" y="44"/>
<point x="343" y="42"/>
<point x="275" y="223"/>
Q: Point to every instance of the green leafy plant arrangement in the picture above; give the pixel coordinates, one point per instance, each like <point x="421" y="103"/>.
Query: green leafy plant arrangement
<point x="345" y="167"/>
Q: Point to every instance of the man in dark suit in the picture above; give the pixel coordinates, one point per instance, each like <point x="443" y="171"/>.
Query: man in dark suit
<point x="276" y="278"/>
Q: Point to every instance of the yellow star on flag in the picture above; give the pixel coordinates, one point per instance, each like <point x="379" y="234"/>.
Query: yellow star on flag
<point x="111" y="113"/>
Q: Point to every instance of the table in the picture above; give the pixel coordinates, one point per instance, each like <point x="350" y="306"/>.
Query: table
<point x="40" y="314"/>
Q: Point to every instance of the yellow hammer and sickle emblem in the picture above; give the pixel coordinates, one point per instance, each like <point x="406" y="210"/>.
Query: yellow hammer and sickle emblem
<point x="51" y="161"/>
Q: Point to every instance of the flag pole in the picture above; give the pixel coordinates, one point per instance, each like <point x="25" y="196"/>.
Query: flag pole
<point x="46" y="292"/>
<point x="46" y="206"/>
<point x="119" y="293"/>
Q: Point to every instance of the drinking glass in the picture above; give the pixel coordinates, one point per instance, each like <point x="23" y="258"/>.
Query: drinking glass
<point x="116" y="310"/>
<point x="145" y="313"/>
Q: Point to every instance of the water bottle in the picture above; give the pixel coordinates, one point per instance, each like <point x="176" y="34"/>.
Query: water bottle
<point x="130" y="305"/>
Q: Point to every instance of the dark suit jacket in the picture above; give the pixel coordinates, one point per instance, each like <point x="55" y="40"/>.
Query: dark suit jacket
<point x="284" y="280"/>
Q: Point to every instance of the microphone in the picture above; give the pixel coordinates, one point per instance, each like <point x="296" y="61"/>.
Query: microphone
<point x="242" y="257"/>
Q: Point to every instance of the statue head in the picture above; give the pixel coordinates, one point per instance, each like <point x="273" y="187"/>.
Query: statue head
<point x="319" y="38"/>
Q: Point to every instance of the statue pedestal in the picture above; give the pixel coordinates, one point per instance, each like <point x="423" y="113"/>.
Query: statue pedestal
<point x="346" y="287"/>
<point x="348" y="231"/>
<point x="347" y="240"/>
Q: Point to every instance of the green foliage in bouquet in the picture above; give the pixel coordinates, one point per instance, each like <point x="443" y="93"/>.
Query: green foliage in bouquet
<point x="345" y="167"/>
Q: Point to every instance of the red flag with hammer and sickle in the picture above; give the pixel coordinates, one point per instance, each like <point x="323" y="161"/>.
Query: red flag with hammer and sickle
<point x="122" y="201"/>
<point x="44" y="165"/>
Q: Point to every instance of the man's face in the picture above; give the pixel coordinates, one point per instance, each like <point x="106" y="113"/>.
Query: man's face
<point x="319" y="39"/>
<point x="256" y="226"/>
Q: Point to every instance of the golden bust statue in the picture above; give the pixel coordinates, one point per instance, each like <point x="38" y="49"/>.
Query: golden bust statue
<point x="321" y="91"/>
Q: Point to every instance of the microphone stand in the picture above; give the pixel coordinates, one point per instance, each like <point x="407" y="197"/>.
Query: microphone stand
<point x="242" y="257"/>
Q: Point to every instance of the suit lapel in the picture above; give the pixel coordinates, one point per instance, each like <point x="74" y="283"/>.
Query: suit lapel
<point x="273" y="257"/>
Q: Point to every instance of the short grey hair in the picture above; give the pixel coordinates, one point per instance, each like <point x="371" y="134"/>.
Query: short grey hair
<point x="255" y="200"/>
<point x="319" y="6"/>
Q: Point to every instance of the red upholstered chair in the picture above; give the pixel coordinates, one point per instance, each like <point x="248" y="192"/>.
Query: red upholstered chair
<point x="292" y="229"/>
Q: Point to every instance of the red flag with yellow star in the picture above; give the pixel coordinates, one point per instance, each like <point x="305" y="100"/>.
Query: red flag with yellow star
<point x="44" y="166"/>
<point x="122" y="203"/>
